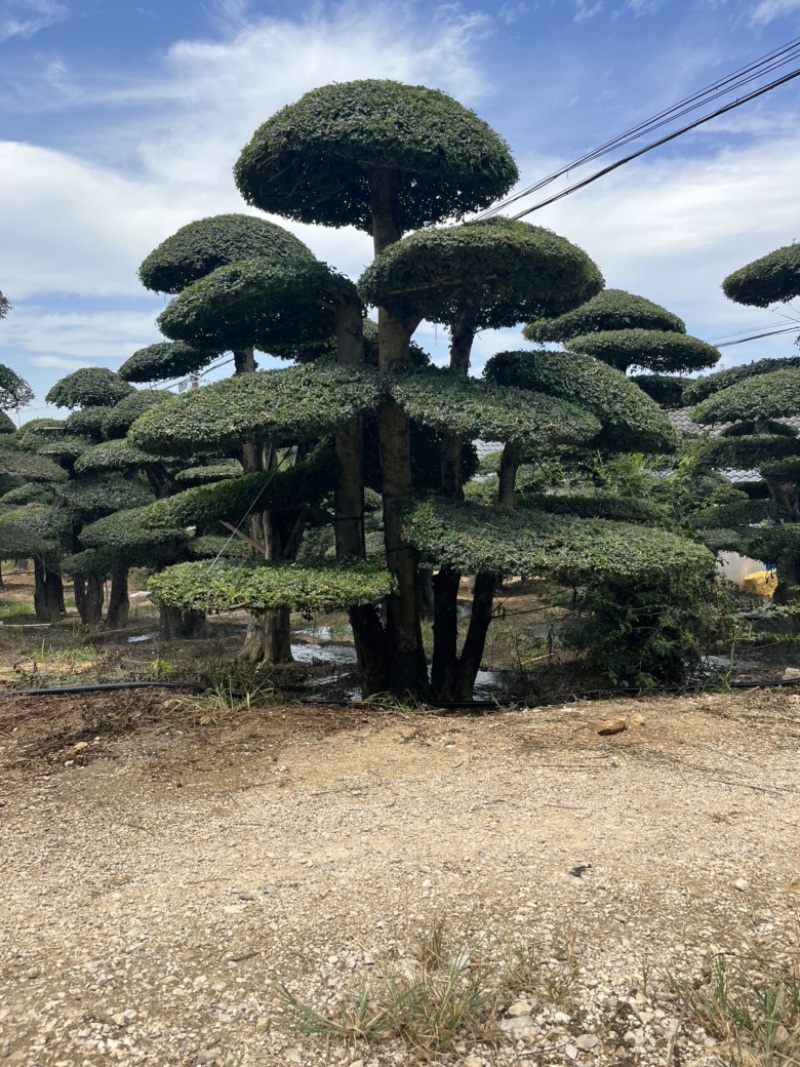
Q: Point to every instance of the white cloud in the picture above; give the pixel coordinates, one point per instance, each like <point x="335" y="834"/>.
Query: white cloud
<point x="24" y="18"/>
<point x="586" y="9"/>
<point x="768" y="10"/>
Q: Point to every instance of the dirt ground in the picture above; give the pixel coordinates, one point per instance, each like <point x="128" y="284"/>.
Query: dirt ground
<point x="172" y="861"/>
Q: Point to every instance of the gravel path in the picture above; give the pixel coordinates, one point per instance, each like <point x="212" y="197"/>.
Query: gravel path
<point x="157" y="887"/>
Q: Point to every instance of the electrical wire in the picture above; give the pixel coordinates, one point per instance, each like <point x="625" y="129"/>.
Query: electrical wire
<point x="743" y="76"/>
<point x="661" y="141"/>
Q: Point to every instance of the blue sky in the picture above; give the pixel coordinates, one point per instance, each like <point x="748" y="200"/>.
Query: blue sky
<point x="120" y="122"/>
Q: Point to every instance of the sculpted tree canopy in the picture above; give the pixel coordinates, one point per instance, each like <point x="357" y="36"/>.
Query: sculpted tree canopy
<point x="497" y="271"/>
<point x="612" y="309"/>
<point x="199" y="248"/>
<point x="165" y="359"/>
<point x="701" y="388"/>
<point x="656" y="350"/>
<point x="773" y="279"/>
<point x="630" y="421"/>
<point x="323" y="158"/>
<point x="257" y="303"/>
<point x="89" y="387"/>
<point x="5" y="306"/>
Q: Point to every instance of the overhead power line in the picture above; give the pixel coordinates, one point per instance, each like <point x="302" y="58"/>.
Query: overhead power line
<point x="765" y="64"/>
<point x="662" y="140"/>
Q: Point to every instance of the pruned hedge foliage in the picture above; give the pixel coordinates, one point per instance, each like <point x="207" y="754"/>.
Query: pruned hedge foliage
<point x="89" y="387"/>
<point x="700" y="388"/>
<point x="763" y="396"/>
<point x="611" y="309"/>
<point x="312" y="161"/>
<point x="502" y="271"/>
<point x="267" y="586"/>
<point x="653" y="350"/>
<point x="166" y="359"/>
<point x="773" y="279"/>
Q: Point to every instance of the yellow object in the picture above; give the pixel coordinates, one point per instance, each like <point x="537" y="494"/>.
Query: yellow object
<point x="761" y="582"/>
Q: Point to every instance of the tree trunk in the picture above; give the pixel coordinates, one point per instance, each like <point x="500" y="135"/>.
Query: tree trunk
<point x="469" y="661"/>
<point x="48" y="593"/>
<point x="118" y="603"/>
<point x="244" y="361"/>
<point x="176" y="625"/>
<point x="89" y="594"/>
<point x="268" y="638"/>
<point x="445" y="632"/>
<point x="509" y="465"/>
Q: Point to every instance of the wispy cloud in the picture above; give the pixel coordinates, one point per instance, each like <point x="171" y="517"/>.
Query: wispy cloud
<point x="24" y="18"/>
<point x="768" y="10"/>
<point x="586" y="9"/>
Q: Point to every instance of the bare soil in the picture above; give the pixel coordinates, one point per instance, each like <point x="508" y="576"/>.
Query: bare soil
<point x="169" y="862"/>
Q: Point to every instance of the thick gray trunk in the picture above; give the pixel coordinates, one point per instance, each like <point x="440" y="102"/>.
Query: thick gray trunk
<point x="89" y="595"/>
<point x="48" y="592"/>
<point x="118" y="603"/>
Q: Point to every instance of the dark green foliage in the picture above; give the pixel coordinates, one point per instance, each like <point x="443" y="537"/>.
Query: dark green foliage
<point x="44" y="527"/>
<point x="118" y="420"/>
<point x="211" y="546"/>
<point x="87" y="564"/>
<point x="652" y="634"/>
<point x="471" y="538"/>
<point x="654" y="350"/>
<point x="266" y="586"/>
<point x="103" y="495"/>
<point x="164" y="360"/>
<point x="32" y="467"/>
<point x="202" y="246"/>
<point x="600" y="504"/>
<point x="453" y="404"/>
<point x="64" y="447"/>
<point x="665" y="389"/>
<point x="703" y="387"/>
<point x="773" y="279"/>
<point x="503" y="271"/>
<point x="256" y="303"/>
<point x="312" y="160"/>
<point x="629" y="419"/>
<point x="7" y="425"/>
<point x="750" y="427"/>
<point x="230" y="500"/>
<point x="744" y="453"/>
<point x="89" y="387"/>
<point x="611" y="309"/>
<point x="739" y="513"/>
<point x="26" y="494"/>
<point x="781" y="470"/>
<point x="765" y="396"/>
<point x="213" y="472"/>
<point x="5" y="306"/>
<point x="123" y="533"/>
<point x="14" y="391"/>
<point x="117" y="455"/>
<point x="774" y="544"/>
<point x="87" y="421"/>
<point x="281" y="406"/>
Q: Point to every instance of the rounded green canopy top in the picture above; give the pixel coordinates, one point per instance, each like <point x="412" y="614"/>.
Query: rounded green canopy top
<point x="612" y="309"/>
<point x="630" y="420"/>
<point x="764" y="396"/>
<point x="256" y="303"/>
<point x="700" y="388"/>
<point x="202" y="246"/>
<point x="312" y="161"/>
<point x="282" y="406"/>
<point x="502" y="270"/>
<point x="165" y="359"/>
<point x="773" y="279"/>
<point x="655" y="350"/>
<point x="89" y="387"/>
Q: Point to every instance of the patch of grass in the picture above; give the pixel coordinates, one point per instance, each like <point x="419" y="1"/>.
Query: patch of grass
<point x="754" y="1015"/>
<point x="446" y="997"/>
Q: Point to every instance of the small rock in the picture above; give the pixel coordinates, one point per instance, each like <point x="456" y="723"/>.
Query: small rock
<point x="791" y="672"/>
<point x="208" y="1055"/>
<point x="571" y="1051"/>
<point x="612" y="726"/>
<point x="80" y="746"/>
<point x="587" y="1041"/>
<point x="520" y="1007"/>
<point x="741" y="884"/>
<point x="473" y="1061"/>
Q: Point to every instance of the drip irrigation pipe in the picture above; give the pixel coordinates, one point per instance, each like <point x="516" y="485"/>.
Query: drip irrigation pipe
<point x="100" y="687"/>
<point x="476" y="705"/>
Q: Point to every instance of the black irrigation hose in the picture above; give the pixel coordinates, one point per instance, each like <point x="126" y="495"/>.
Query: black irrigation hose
<point x="476" y="705"/>
<point x="62" y="690"/>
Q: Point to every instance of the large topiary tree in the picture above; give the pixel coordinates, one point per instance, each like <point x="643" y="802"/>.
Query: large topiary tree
<point x="388" y="158"/>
